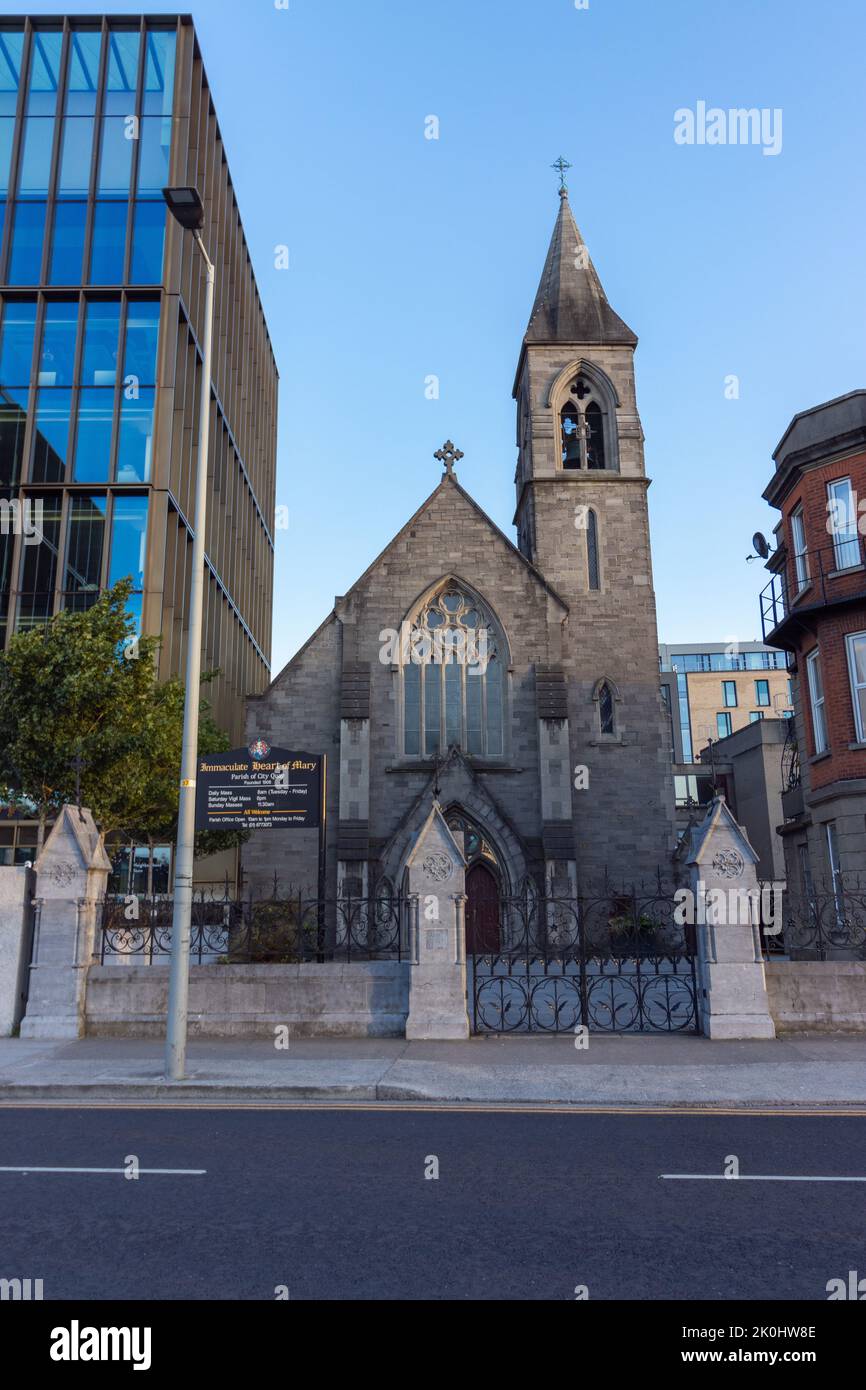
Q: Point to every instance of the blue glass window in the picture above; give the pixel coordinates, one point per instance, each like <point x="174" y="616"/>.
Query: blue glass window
<point x="159" y="72"/>
<point x="142" y="332"/>
<point x="122" y="80"/>
<point x="11" y="49"/>
<point x="134" y="606"/>
<point x="36" y="157"/>
<point x="115" y="156"/>
<point x="135" y="443"/>
<point x="109" y="244"/>
<point x="16" y="342"/>
<point x="148" y="241"/>
<point x="59" y="332"/>
<point x="67" y="246"/>
<point x="128" y="532"/>
<point x="83" y="79"/>
<point x="7" y="132"/>
<point x="84" y="547"/>
<point x="101" y="332"/>
<point x="39" y="569"/>
<point x="44" y="72"/>
<point x="155" y="147"/>
<point x="51" y="435"/>
<point x="25" y="260"/>
<point x="13" y="418"/>
<point x="75" y="157"/>
<point x="93" y="435"/>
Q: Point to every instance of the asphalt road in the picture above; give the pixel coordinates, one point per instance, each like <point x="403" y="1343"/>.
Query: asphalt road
<point x="334" y="1204"/>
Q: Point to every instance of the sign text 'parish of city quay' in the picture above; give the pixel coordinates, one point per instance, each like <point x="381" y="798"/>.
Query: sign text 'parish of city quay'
<point x="258" y="788"/>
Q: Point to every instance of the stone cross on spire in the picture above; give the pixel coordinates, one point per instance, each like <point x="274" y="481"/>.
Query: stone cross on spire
<point x="560" y="165"/>
<point x="449" y="456"/>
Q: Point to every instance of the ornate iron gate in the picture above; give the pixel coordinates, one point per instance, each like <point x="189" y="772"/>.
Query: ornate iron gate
<point x="612" y="962"/>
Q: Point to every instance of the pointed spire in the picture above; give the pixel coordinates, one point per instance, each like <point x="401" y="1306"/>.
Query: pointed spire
<point x="571" y="305"/>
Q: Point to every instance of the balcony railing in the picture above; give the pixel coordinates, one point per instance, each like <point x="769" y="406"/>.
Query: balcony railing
<point x="816" y="579"/>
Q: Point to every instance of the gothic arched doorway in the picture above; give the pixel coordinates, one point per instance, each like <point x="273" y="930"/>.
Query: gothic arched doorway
<point x="484" y="884"/>
<point x="482" y="911"/>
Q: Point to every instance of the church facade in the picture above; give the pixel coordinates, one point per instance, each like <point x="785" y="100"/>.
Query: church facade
<point x="515" y="684"/>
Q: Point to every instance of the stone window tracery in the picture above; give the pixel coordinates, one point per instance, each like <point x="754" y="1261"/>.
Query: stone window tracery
<point x="453" y="678"/>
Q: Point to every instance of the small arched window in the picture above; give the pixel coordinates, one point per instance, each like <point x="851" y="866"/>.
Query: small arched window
<point x="606" y="719"/>
<point x="592" y="566"/>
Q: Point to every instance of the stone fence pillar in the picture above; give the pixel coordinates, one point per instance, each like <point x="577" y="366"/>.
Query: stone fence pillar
<point x="16" y="940"/>
<point x="71" y="878"/>
<point x="437" y="988"/>
<point x="724" y="883"/>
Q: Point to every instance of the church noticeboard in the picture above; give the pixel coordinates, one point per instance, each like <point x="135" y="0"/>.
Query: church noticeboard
<point x="259" y="788"/>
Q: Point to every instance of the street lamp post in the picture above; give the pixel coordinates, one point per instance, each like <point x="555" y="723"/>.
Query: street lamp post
<point x="186" y="207"/>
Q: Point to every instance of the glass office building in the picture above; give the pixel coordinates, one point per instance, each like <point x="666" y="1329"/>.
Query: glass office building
<point x="101" y="303"/>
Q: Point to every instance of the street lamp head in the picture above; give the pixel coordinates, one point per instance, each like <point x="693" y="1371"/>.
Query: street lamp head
<point x="185" y="206"/>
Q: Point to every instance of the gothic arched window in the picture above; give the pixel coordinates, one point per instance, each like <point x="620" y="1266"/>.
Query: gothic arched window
<point x="583" y="421"/>
<point x="592" y="565"/>
<point x="570" y="424"/>
<point x="606" y="697"/>
<point x="595" y="441"/>
<point x="605" y="709"/>
<point x="453" y="678"/>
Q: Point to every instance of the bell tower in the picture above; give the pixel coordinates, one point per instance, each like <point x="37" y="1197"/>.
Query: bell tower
<point x="582" y="520"/>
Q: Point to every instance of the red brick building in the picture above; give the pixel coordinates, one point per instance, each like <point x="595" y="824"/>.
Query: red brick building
<point x="815" y="609"/>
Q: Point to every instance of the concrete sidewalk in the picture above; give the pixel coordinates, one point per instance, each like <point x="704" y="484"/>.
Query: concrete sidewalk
<point x="623" y="1071"/>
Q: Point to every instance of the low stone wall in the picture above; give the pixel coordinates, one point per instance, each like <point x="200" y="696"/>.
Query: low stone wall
<point x="817" y="996"/>
<point x="363" y="999"/>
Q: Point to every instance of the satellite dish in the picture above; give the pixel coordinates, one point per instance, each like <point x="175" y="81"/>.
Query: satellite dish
<point x="760" y="546"/>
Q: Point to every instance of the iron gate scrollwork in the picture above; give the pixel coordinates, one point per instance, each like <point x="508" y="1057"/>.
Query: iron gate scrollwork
<point x="611" y="962"/>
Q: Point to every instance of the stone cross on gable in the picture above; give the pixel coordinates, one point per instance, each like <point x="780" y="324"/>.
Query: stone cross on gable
<point x="449" y="456"/>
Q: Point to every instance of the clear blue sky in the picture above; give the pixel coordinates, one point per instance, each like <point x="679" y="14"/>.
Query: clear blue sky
<point x="411" y="256"/>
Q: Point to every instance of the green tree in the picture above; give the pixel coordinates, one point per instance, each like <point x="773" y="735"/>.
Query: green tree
<point x="84" y="687"/>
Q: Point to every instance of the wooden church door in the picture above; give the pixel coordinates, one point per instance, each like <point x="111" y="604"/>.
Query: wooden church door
<point x="482" y="911"/>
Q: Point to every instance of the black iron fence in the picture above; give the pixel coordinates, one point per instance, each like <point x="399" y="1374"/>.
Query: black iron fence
<point x="636" y="935"/>
<point x="826" y="921"/>
<point x="275" y="929"/>
<point x="609" y="960"/>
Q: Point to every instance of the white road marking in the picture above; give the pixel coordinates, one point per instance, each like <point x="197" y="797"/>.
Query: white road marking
<point x="174" y="1172"/>
<point x="751" y="1177"/>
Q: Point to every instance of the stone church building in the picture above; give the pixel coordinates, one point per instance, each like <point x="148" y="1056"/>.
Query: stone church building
<point x="518" y="685"/>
